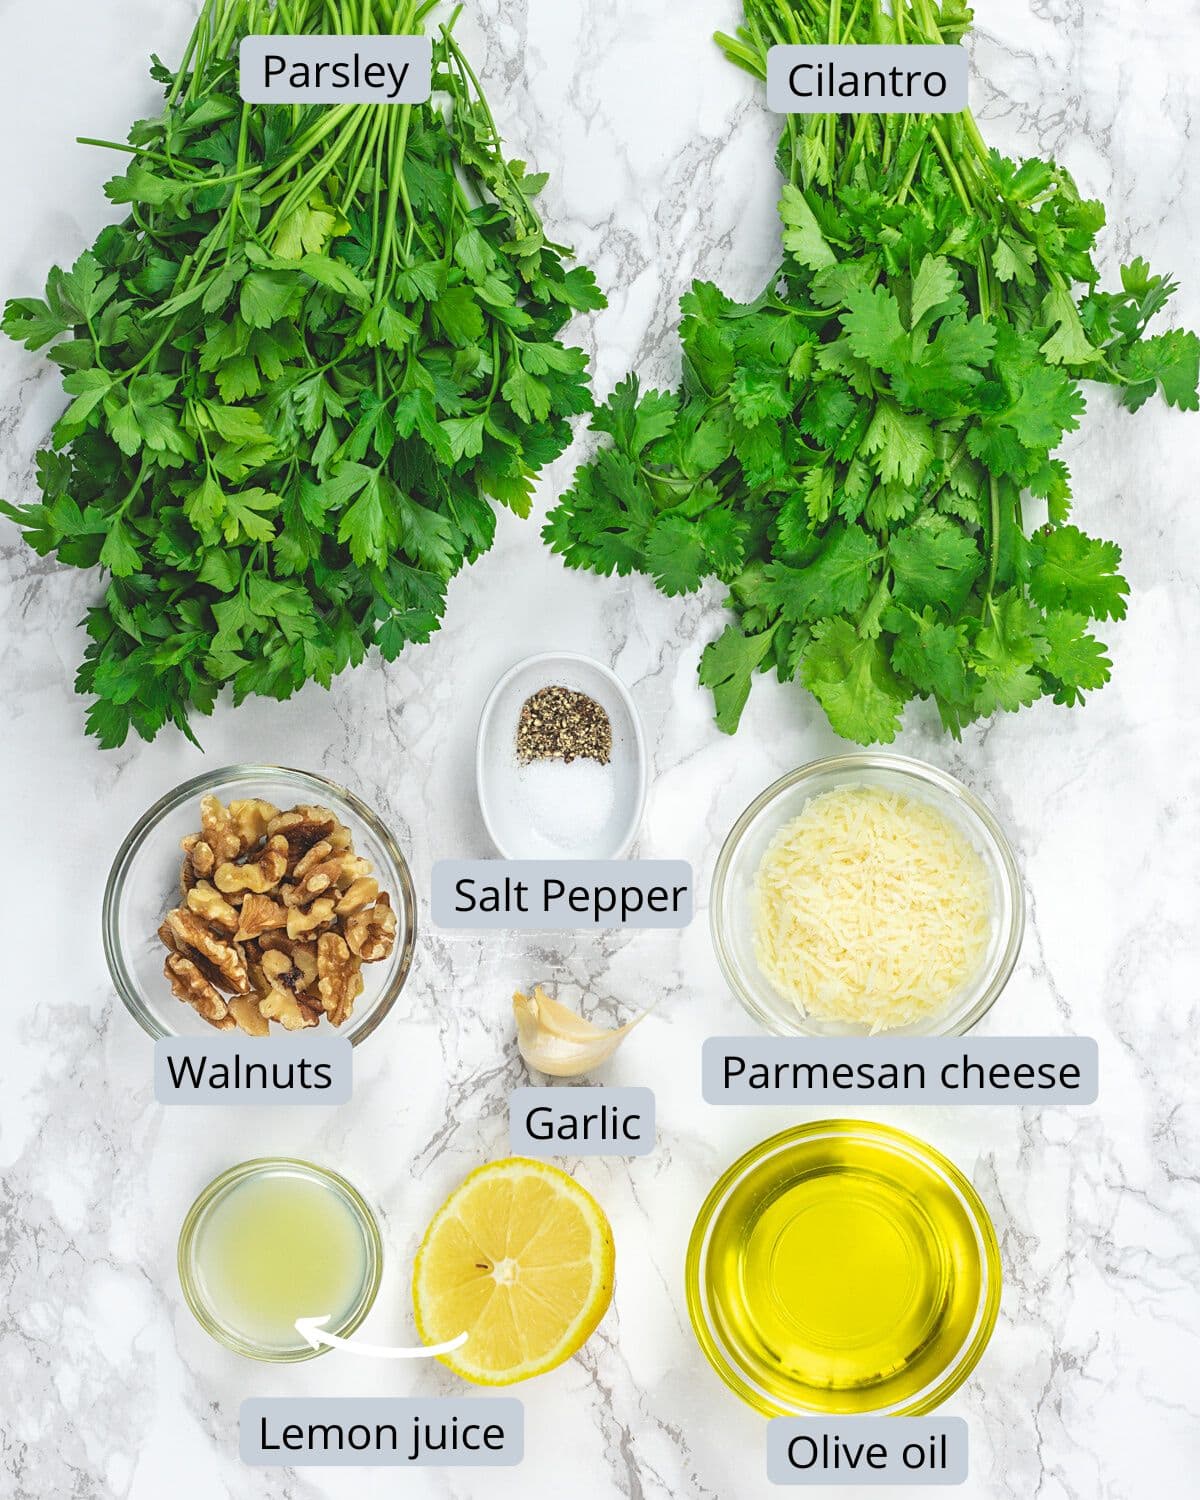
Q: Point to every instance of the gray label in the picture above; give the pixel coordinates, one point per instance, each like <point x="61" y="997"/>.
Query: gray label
<point x="866" y="80"/>
<point x="562" y="895"/>
<point x="329" y="1432"/>
<point x="582" y="1121"/>
<point x="336" y="69"/>
<point x="909" y="1070"/>
<point x="231" y="1069"/>
<point x="867" y="1450"/>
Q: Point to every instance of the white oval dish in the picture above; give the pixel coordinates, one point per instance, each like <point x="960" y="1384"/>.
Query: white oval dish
<point x="599" y="808"/>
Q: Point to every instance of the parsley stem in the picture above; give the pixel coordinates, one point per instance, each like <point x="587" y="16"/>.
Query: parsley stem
<point x="133" y="491"/>
<point x="235" y="202"/>
<point x="204" y="21"/>
<point x="366" y="156"/>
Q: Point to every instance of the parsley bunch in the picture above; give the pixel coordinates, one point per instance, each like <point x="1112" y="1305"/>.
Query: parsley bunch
<point x="854" y="452"/>
<point x="303" y="370"/>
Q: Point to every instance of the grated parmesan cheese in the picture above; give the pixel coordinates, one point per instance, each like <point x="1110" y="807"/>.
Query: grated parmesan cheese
<point x="872" y="908"/>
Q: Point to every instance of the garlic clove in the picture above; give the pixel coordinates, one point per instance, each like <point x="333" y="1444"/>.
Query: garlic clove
<point x="554" y="1039"/>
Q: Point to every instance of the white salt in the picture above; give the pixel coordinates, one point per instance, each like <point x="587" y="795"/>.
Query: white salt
<point x="568" y="805"/>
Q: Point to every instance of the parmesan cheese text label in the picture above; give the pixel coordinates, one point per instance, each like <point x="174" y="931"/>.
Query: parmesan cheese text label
<point x="912" y="1070"/>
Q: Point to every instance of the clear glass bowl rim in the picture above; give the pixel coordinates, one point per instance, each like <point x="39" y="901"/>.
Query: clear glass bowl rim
<point x="848" y="764"/>
<point x="243" y="1172"/>
<point x="196" y="787"/>
<point x="965" y="1358"/>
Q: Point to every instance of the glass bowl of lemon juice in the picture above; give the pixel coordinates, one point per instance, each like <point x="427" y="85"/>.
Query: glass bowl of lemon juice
<point x="274" y="1240"/>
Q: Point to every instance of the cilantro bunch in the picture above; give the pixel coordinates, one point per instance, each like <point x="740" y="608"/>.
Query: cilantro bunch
<point x="318" y="351"/>
<point x="857" y="452"/>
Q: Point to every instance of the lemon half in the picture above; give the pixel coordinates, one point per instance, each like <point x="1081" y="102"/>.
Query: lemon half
<point x="521" y="1259"/>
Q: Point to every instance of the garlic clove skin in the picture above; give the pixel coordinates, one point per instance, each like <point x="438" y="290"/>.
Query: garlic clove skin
<point x="554" y="1039"/>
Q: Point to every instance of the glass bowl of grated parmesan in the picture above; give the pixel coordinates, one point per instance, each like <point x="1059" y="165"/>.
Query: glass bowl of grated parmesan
<point x="867" y="894"/>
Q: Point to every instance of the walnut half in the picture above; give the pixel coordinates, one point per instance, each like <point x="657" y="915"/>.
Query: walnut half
<point x="190" y="986"/>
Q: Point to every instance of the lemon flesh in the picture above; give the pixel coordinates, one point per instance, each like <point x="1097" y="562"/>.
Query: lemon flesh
<point x="521" y="1259"/>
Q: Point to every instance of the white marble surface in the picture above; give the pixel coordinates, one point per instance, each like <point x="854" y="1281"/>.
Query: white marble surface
<point x="659" y="154"/>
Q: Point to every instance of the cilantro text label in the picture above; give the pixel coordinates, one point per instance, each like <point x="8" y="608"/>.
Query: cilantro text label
<point x="867" y="80"/>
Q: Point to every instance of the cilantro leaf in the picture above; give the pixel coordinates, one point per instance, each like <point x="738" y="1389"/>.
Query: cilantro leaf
<point x="933" y="561"/>
<point x="728" y="666"/>
<point x="935" y="281"/>
<point x="1079" y="573"/>
<point x="1007" y="649"/>
<point x="1169" y="362"/>
<point x="874" y="330"/>
<point x="1076" y="660"/>
<point x="854" y="683"/>
<point x="802" y="235"/>
<point x="838" y="577"/>
<point x="900" y="442"/>
<point x="930" y="653"/>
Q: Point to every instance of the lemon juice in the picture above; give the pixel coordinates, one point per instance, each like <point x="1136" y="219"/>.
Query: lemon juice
<point x="843" y="1268"/>
<point x="273" y="1241"/>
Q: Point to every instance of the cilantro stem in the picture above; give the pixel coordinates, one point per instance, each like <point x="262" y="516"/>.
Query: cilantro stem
<point x="994" y="535"/>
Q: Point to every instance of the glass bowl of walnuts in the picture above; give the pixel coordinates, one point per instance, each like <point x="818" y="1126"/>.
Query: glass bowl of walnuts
<point x="259" y="900"/>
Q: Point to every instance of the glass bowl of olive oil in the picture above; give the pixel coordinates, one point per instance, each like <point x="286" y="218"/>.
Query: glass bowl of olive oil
<point x="273" y="1240"/>
<point x="843" y="1268"/>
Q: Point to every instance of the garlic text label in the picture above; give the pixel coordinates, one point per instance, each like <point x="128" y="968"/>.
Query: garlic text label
<point x="867" y="80"/>
<point x="562" y="895"/>
<point x="283" y="69"/>
<point x="867" y="1450"/>
<point x="387" y="1431"/>
<point x="589" y="1121"/>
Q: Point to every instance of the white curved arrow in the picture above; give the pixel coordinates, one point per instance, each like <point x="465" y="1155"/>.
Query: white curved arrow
<point x="313" y="1332"/>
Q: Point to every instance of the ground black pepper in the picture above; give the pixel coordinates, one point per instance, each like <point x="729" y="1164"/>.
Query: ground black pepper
<point x="558" y="723"/>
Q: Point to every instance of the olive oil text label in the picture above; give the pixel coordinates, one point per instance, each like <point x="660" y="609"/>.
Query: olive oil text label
<point x="867" y="1450"/>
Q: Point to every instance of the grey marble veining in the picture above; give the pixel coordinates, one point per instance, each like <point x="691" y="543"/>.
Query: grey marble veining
<point x="660" y="158"/>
